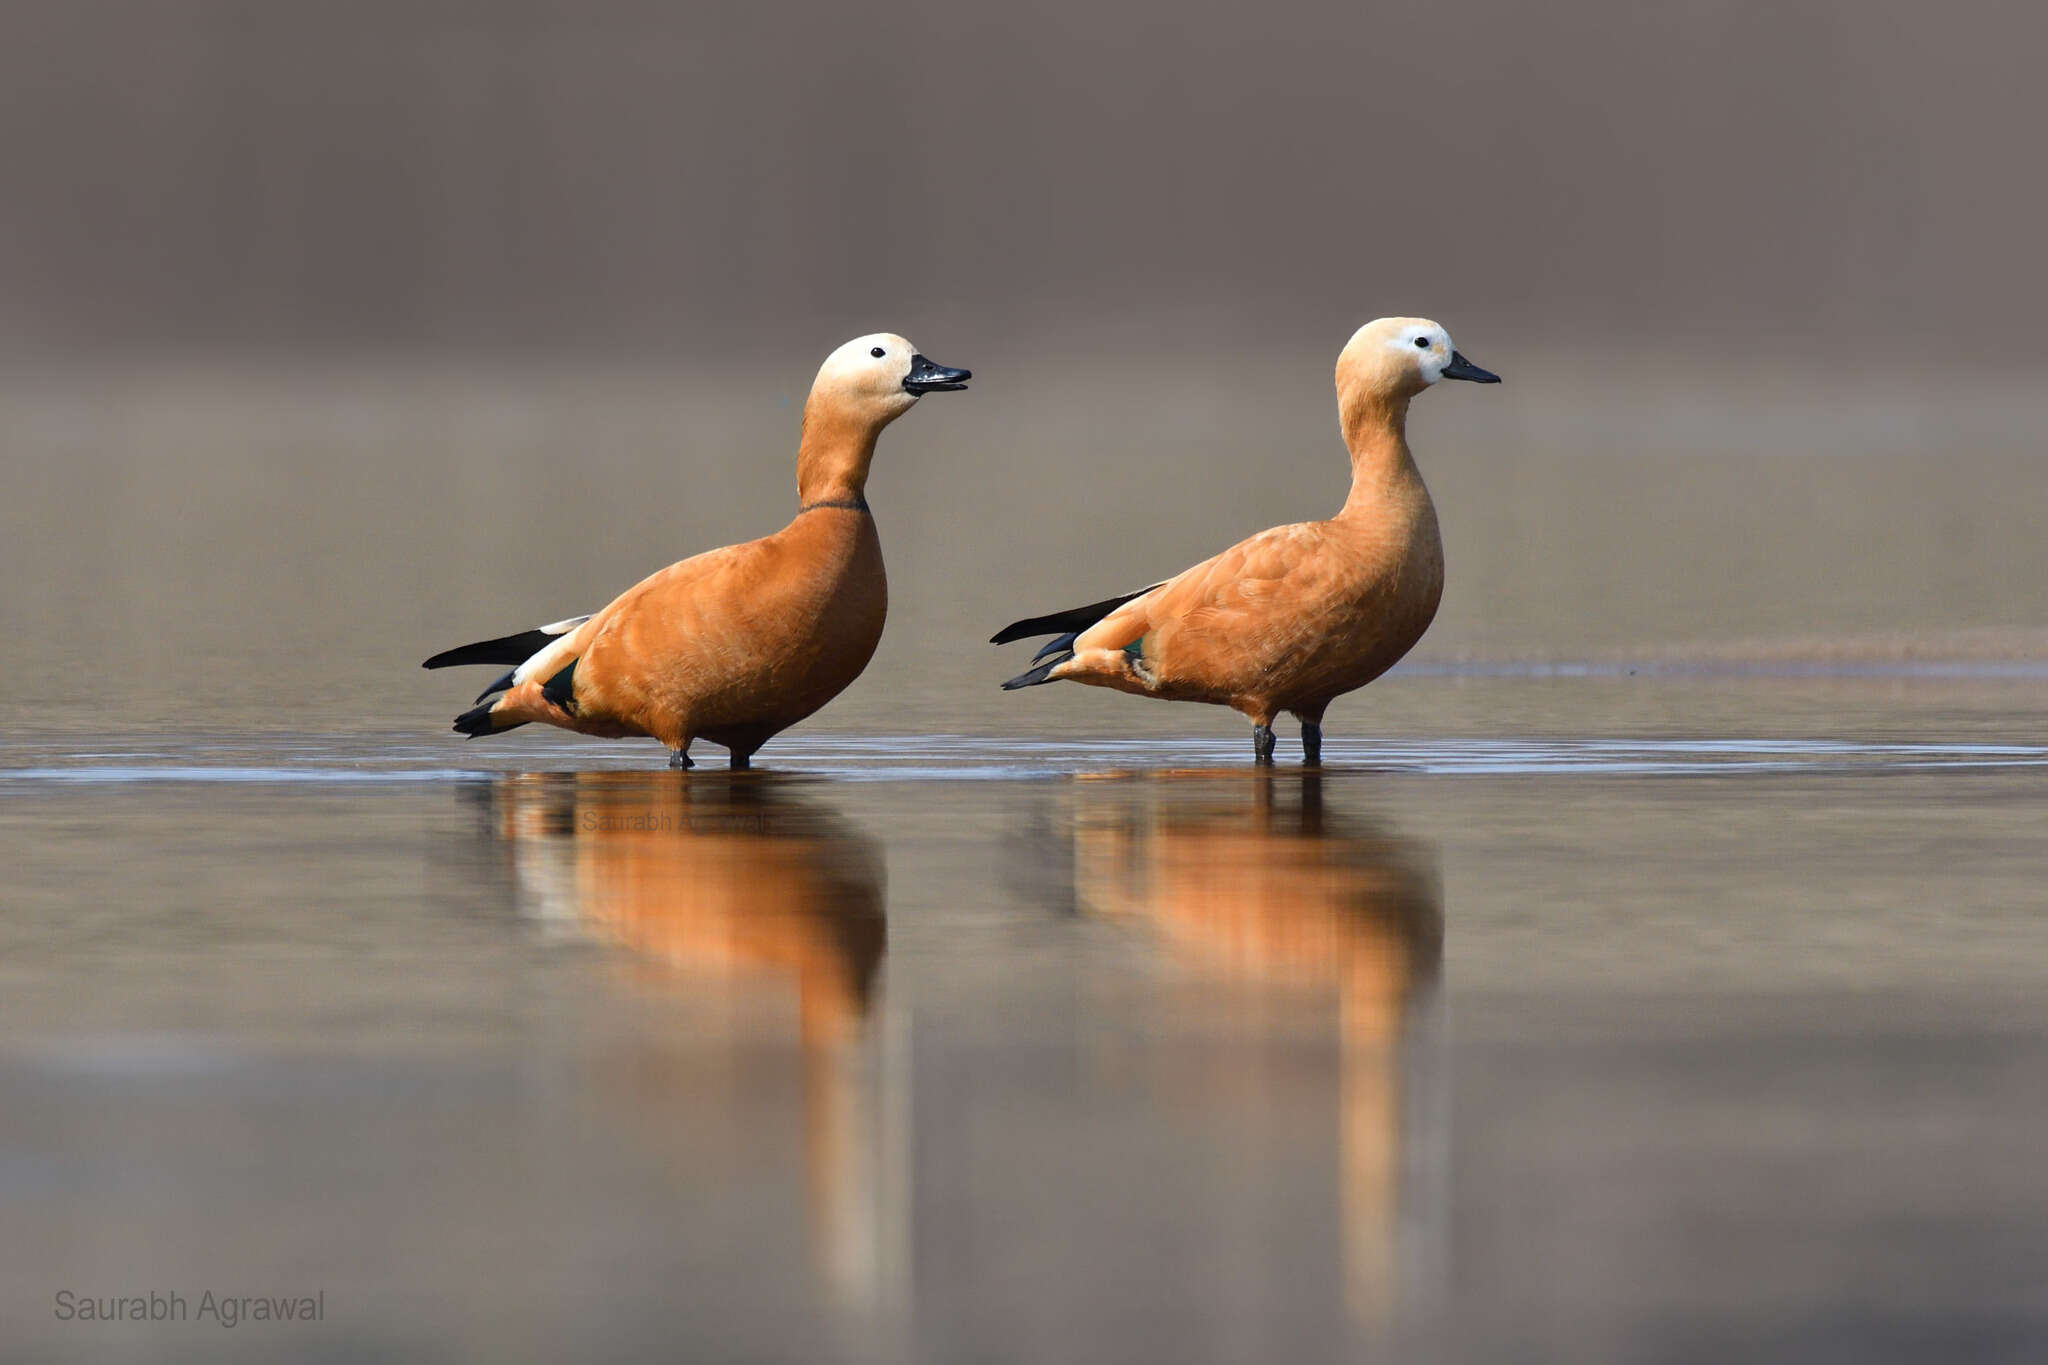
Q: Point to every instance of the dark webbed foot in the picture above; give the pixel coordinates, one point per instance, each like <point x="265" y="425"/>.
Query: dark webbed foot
<point x="1311" y="744"/>
<point x="680" y="759"/>
<point x="741" y="762"/>
<point x="1262" y="744"/>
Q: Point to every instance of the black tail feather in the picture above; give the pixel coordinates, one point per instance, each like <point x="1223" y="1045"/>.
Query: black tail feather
<point x="477" y="721"/>
<point x="1074" y="619"/>
<point x="1041" y="674"/>
<point x="506" y="649"/>
<point x="1058" y="643"/>
<point x="502" y="682"/>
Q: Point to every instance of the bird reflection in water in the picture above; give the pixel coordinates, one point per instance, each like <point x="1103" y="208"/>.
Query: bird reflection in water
<point x="1252" y="880"/>
<point x="754" y="885"/>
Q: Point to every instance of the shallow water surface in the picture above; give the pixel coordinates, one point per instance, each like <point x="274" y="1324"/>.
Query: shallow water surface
<point x="1655" y="973"/>
<point x="950" y="1048"/>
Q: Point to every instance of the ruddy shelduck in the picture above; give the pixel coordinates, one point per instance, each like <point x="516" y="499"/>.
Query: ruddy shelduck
<point x="1299" y="615"/>
<point x="737" y="644"/>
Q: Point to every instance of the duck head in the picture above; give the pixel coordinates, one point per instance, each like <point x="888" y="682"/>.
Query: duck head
<point x="1399" y="358"/>
<point x="873" y="380"/>
<point x="861" y="388"/>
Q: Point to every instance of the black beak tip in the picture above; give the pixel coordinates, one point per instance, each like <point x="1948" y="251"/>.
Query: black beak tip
<point x="926" y="377"/>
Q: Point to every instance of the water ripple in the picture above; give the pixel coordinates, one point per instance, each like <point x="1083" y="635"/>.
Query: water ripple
<point x="964" y="758"/>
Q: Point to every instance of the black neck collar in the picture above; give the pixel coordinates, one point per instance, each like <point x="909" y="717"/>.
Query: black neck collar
<point x="853" y="504"/>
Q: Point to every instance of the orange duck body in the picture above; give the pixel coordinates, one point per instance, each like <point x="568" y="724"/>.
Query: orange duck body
<point x="740" y="643"/>
<point x="1296" y="616"/>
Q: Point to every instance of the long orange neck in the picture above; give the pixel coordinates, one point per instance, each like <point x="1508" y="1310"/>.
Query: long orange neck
<point x="832" y="458"/>
<point x="1376" y="433"/>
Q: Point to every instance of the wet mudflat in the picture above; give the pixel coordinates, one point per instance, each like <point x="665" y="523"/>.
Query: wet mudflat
<point x="1575" y="1045"/>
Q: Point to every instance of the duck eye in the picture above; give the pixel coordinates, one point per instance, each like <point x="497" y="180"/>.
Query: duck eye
<point x="878" y="353"/>
<point x="1422" y="342"/>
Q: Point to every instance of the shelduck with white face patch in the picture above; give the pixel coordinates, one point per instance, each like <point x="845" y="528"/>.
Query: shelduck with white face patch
<point x="737" y="644"/>
<point x="1296" y="616"/>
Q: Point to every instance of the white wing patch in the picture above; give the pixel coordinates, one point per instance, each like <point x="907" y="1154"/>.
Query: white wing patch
<point x="547" y="660"/>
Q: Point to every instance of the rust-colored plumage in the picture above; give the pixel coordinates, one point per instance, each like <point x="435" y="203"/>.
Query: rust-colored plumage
<point x="738" y="643"/>
<point x="1293" y="617"/>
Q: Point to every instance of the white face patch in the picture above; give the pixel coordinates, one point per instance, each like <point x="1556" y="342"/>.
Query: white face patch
<point x="1430" y="347"/>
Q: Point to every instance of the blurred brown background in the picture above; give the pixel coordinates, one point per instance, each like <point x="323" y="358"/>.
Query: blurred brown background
<point x="331" y="335"/>
<point x="506" y="175"/>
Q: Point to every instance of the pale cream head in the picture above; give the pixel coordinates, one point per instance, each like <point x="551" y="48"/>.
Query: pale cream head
<point x="877" y="378"/>
<point x="1394" y="355"/>
<point x="1400" y="357"/>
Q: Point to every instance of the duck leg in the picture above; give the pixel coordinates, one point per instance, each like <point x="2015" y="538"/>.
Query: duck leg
<point x="1311" y="744"/>
<point x="1262" y="745"/>
<point x="741" y="760"/>
<point x="680" y="759"/>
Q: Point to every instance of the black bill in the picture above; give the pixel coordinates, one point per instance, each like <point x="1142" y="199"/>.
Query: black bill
<point x="925" y="377"/>
<point x="1461" y="368"/>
